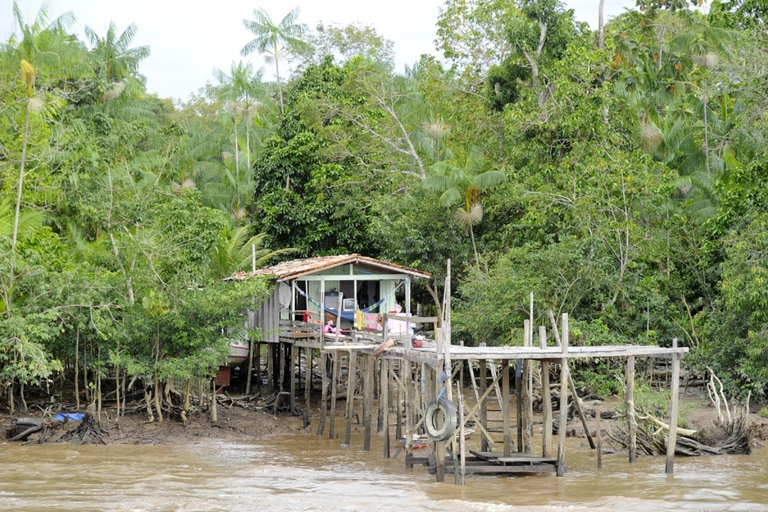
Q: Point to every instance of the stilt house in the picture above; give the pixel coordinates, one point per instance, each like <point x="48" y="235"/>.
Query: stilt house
<point x="302" y="289"/>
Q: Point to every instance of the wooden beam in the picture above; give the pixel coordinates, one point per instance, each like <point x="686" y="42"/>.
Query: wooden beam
<point x="271" y="367"/>
<point x="599" y="436"/>
<point x="505" y="406"/>
<point x="564" y="375"/>
<point x="335" y="370"/>
<point x="673" y="412"/>
<point x="356" y="277"/>
<point x="293" y="358"/>
<point x="483" y="381"/>
<point x="519" y="403"/>
<point x="546" y="399"/>
<point x="307" y="384"/>
<point x="528" y="392"/>
<point x="351" y="376"/>
<point x="490" y="388"/>
<point x="384" y="405"/>
<point x="630" y="404"/>
<point x="563" y="421"/>
<point x="409" y="430"/>
<point x="324" y="395"/>
<point x="571" y="384"/>
<point x="368" y="401"/>
<point x="462" y="438"/>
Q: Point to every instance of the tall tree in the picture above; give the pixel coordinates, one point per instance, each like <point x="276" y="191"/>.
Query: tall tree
<point x="35" y="45"/>
<point x="463" y="185"/>
<point x="114" y="58"/>
<point x="242" y="91"/>
<point x="344" y="43"/>
<point x="271" y="38"/>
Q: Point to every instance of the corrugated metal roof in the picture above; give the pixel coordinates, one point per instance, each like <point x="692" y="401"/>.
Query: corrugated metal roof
<point x="288" y="270"/>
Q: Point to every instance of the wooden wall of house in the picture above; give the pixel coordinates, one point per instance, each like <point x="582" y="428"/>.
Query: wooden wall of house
<point x="267" y="317"/>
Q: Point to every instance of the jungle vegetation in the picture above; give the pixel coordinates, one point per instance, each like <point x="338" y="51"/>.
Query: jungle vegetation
<point x="621" y="175"/>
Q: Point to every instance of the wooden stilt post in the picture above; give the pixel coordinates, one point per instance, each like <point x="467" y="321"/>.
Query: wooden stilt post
<point x="563" y="401"/>
<point x="368" y="401"/>
<point x="546" y="399"/>
<point x="673" y="411"/>
<point x="307" y="384"/>
<point x="324" y="396"/>
<point x="257" y="363"/>
<point x="630" y="401"/>
<point x="572" y="387"/>
<point x="462" y="438"/>
<point x="518" y="403"/>
<point x="351" y="378"/>
<point x="271" y="367"/>
<point x="281" y="352"/>
<point x="292" y="361"/>
<point x="599" y="437"/>
<point x="379" y="386"/>
<point x="399" y="400"/>
<point x="409" y="430"/>
<point x="384" y="405"/>
<point x="439" y="446"/>
<point x="335" y="369"/>
<point x="505" y="406"/>
<point x="483" y="378"/>
<point x="527" y="423"/>
<point x="251" y="325"/>
<point x="430" y="393"/>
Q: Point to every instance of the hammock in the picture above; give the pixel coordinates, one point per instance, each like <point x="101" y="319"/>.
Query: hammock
<point x="349" y="316"/>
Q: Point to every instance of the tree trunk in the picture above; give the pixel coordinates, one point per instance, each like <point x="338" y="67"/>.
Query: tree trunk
<point x="117" y="391"/>
<point x="77" y="368"/>
<point x="600" y="27"/>
<point x="158" y="399"/>
<point x="187" y="392"/>
<point x="86" y="389"/>
<point x="21" y="397"/>
<point x="279" y="85"/>
<point x="17" y="213"/>
<point x="148" y="400"/>
<point x="11" y="399"/>
<point x="250" y="367"/>
<point x="214" y="411"/>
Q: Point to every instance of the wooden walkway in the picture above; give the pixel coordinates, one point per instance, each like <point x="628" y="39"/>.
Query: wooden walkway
<point x="404" y="379"/>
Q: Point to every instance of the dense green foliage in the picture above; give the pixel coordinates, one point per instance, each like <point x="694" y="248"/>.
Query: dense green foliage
<point x="622" y="184"/>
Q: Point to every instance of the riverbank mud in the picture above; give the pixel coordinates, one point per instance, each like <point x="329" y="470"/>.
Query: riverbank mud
<point x="237" y="423"/>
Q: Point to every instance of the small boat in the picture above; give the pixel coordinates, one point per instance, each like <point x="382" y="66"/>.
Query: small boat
<point x="238" y="352"/>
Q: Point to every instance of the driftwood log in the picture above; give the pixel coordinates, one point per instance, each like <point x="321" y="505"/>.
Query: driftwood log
<point x="719" y="438"/>
<point x="21" y="428"/>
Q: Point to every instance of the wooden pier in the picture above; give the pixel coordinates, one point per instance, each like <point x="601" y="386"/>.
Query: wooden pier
<point x="401" y="381"/>
<point x="392" y="390"/>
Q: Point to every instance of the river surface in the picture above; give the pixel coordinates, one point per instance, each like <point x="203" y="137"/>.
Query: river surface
<point x="301" y="472"/>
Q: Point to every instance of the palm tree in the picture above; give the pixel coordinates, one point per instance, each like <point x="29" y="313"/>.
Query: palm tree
<point x="115" y="60"/>
<point x="35" y="43"/>
<point x="271" y="38"/>
<point x="234" y="252"/>
<point x="463" y="186"/>
<point x="241" y="91"/>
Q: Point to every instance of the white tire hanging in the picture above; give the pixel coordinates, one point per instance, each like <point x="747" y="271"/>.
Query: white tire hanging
<point x="450" y="419"/>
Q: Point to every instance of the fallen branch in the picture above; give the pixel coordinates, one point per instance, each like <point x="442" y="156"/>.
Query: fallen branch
<point x="680" y="431"/>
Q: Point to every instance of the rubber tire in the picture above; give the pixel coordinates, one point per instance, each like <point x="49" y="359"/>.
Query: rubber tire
<point x="450" y="423"/>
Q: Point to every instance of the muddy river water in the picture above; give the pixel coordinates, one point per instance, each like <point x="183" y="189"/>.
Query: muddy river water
<point x="301" y="472"/>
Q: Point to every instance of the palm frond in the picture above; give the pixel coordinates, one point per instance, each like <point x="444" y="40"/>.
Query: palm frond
<point x="451" y="196"/>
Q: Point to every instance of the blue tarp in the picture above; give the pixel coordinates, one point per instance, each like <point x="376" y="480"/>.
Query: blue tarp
<point x="68" y="415"/>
